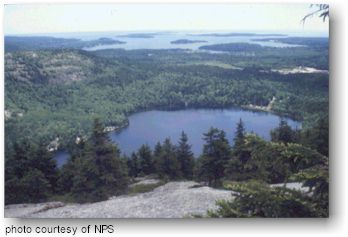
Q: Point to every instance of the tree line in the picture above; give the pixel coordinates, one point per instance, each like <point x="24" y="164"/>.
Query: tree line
<point x="96" y="169"/>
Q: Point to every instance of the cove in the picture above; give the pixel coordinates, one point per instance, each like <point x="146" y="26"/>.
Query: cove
<point x="154" y="126"/>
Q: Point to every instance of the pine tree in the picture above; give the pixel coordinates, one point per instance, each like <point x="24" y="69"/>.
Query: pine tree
<point x="239" y="135"/>
<point x="158" y="149"/>
<point x="185" y="156"/>
<point x="146" y="161"/>
<point x="317" y="137"/>
<point x="133" y="165"/>
<point x="100" y="172"/>
<point x="167" y="164"/>
<point x="283" y="133"/>
<point x="68" y="170"/>
<point x="29" y="164"/>
<point x="239" y="151"/>
<point x="216" y="154"/>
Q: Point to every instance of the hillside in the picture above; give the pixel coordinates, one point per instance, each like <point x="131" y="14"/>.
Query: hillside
<point x="51" y="67"/>
<point x="45" y="87"/>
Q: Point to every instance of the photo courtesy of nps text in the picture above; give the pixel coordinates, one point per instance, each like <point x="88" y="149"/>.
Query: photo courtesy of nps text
<point x="60" y="229"/>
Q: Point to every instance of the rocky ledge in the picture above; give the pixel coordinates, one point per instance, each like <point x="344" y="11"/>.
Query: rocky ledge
<point x="172" y="200"/>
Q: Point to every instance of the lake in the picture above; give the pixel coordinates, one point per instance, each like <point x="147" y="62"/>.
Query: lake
<point x="153" y="126"/>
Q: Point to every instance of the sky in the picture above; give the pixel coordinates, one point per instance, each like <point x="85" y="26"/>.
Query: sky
<point x="60" y="18"/>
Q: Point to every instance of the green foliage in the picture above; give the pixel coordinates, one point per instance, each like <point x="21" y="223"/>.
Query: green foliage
<point x="133" y="165"/>
<point x="185" y="157"/>
<point x="283" y="133"/>
<point x="279" y="161"/>
<point x="168" y="161"/>
<point x="316" y="179"/>
<point x="257" y="199"/>
<point x="216" y="153"/>
<point x="43" y="88"/>
<point x="30" y="174"/>
<point x="168" y="165"/>
<point x="99" y="172"/>
<point x="317" y="137"/>
<point x="146" y="160"/>
<point x="243" y="164"/>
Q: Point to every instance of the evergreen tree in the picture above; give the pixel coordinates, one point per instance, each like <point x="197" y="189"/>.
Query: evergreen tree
<point x="133" y="165"/>
<point x="317" y="137"/>
<point x="167" y="163"/>
<point x="283" y="133"/>
<point x="146" y="160"/>
<point x="258" y="199"/>
<point x="185" y="156"/>
<point x="158" y="149"/>
<point x="216" y="153"/>
<point x="35" y="186"/>
<point x="30" y="174"/>
<point x="239" y="136"/>
<point x="68" y="170"/>
<point x="239" y="150"/>
<point x="236" y="166"/>
<point x="44" y="162"/>
<point x="100" y="172"/>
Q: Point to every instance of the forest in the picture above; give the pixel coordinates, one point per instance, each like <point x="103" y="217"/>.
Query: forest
<point x="66" y="92"/>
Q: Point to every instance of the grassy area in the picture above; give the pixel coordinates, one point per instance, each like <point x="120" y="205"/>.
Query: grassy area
<point x="143" y="188"/>
<point x="66" y="198"/>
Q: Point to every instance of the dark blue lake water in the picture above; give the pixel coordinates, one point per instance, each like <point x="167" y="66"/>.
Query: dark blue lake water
<point x="153" y="126"/>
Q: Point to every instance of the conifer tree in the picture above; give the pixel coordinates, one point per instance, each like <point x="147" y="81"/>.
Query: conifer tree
<point x="30" y="174"/>
<point x="283" y="133"/>
<point x="216" y="153"/>
<point x="239" y="135"/>
<point x="133" y="165"/>
<point x="168" y="165"/>
<point x="157" y="150"/>
<point x="100" y="172"/>
<point x="185" y="156"/>
<point x="146" y="160"/>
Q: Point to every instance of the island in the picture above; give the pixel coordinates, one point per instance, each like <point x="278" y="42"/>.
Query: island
<point x="15" y="43"/>
<point x="101" y="41"/>
<point x="186" y="41"/>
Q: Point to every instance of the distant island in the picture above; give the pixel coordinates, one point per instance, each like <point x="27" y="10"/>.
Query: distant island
<point x="235" y="34"/>
<point x="15" y="43"/>
<point x="186" y="41"/>
<point x="100" y="41"/>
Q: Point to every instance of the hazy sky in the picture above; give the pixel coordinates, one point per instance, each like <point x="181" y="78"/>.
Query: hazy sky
<point x="54" y="18"/>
